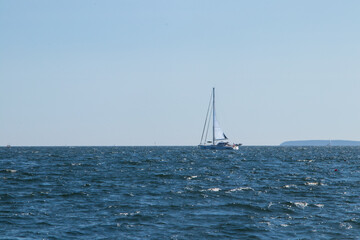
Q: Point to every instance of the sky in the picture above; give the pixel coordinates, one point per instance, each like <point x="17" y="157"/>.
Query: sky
<point x="131" y="72"/>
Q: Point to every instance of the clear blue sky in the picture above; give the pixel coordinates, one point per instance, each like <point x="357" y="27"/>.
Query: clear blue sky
<point x="133" y="72"/>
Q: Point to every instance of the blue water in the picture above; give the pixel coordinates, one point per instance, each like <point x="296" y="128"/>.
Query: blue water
<point x="179" y="193"/>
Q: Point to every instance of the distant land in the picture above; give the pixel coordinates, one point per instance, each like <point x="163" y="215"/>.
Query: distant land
<point x="321" y="143"/>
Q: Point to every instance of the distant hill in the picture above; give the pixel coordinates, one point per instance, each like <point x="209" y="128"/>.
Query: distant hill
<point x="321" y="143"/>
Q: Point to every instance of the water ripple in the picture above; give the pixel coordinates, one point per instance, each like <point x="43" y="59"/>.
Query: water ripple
<point x="179" y="193"/>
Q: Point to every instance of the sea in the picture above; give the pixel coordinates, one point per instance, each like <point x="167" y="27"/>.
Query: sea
<point x="179" y="193"/>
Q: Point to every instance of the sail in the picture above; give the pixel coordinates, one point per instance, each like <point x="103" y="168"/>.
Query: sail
<point x="219" y="134"/>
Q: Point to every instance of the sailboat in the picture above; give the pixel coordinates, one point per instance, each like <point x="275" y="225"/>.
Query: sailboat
<point x="219" y="139"/>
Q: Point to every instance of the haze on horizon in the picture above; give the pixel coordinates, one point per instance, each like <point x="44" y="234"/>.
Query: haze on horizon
<point x="141" y="72"/>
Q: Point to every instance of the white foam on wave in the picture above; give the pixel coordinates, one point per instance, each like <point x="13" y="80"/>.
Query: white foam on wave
<point x="313" y="184"/>
<point x="24" y="214"/>
<point x="345" y="225"/>
<point x="240" y="189"/>
<point x="266" y="223"/>
<point x="124" y="214"/>
<point x="305" y="160"/>
<point x="301" y="204"/>
<point x="211" y="190"/>
<point x="290" y="186"/>
<point x="319" y="205"/>
<point x="10" y="170"/>
<point x="128" y="214"/>
<point x="76" y="164"/>
<point x="191" y="177"/>
<point x="125" y="225"/>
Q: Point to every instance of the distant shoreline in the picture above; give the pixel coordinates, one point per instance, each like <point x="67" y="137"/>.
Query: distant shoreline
<point x="321" y="143"/>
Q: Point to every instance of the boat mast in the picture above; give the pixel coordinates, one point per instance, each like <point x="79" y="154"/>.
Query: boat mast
<point x="213" y="116"/>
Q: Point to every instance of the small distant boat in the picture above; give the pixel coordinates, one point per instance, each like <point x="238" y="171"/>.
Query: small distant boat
<point x="219" y="139"/>
<point x="8" y="146"/>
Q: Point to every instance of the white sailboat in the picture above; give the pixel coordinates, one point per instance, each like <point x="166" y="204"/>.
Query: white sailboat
<point x="219" y="139"/>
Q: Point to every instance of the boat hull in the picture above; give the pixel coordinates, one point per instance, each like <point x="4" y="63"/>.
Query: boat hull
<point x="216" y="147"/>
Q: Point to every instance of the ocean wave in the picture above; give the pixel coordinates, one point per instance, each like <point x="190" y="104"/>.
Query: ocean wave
<point x="240" y="189"/>
<point x="179" y="192"/>
<point x="301" y="204"/>
<point x="9" y="171"/>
